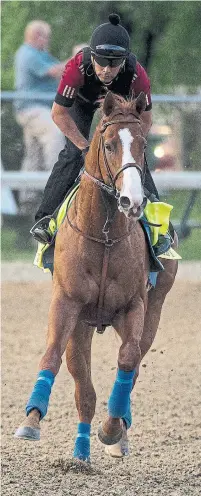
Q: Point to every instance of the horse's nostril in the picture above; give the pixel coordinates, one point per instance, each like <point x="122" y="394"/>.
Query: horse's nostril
<point x="124" y="202"/>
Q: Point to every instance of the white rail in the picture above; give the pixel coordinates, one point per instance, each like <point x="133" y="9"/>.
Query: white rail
<point x="177" y="180"/>
<point x="37" y="95"/>
<point x="164" y="180"/>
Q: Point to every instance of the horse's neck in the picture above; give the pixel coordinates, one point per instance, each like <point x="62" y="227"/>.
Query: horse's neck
<point x="92" y="204"/>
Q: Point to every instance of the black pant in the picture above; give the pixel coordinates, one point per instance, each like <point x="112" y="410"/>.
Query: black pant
<point x="70" y="162"/>
<point x="149" y="184"/>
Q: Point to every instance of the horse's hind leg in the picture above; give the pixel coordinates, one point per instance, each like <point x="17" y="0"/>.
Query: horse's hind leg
<point x="156" y="298"/>
<point x="63" y="317"/>
<point x="78" y="357"/>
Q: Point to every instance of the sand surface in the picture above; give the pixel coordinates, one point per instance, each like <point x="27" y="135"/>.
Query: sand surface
<point x="165" y="439"/>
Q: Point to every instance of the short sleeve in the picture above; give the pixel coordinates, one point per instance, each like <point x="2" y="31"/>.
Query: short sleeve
<point x="72" y="79"/>
<point x="140" y="83"/>
<point x="39" y="64"/>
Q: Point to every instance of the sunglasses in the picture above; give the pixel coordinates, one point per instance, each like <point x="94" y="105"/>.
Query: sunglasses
<point x="103" y="61"/>
<point x="112" y="55"/>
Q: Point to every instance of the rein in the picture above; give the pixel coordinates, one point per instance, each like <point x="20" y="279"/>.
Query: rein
<point x="107" y="242"/>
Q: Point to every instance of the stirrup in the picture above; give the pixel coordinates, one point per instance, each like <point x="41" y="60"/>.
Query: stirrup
<point x="163" y="244"/>
<point x="44" y="229"/>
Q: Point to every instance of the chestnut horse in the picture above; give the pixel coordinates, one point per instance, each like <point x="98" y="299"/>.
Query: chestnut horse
<point x="101" y="267"/>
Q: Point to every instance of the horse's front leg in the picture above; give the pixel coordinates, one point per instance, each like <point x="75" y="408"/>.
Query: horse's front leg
<point x="156" y="297"/>
<point x="63" y="315"/>
<point x="130" y="327"/>
<point x="78" y="357"/>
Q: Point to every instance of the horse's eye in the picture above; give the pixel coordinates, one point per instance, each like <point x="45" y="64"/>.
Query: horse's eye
<point x="108" y="147"/>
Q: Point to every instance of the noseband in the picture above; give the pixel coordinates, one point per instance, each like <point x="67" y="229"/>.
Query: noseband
<point x="112" y="189"/>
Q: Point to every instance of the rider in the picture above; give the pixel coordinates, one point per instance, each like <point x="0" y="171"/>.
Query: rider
<point x="107" y="64"/>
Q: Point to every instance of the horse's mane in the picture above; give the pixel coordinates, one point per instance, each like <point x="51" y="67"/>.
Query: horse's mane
<point x="124" y="106"/>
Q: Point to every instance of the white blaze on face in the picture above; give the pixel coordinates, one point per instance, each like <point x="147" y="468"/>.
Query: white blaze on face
<point x="132" y="186"/>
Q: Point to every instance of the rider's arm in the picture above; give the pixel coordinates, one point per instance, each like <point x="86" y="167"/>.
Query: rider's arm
<point x="146" y="118"/>
<point x="140" y="83"/>
<point x="72" y="79"/>
<point x="67" y="126"/>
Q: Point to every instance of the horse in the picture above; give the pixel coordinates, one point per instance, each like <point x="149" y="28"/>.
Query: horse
<point x="101" y="269"/>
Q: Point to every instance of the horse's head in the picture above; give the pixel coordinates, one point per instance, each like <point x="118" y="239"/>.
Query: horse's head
<point x="121" y="151"/>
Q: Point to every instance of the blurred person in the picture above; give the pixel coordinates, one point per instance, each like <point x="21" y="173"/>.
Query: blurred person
<point x="36" y="70"/>
<point x="107" y="64"/>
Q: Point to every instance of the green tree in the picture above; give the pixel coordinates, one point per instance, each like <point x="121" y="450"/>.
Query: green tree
<point x="177" y="54"/>
<point x="72" y="22"/>
<point x="165" y="36"/>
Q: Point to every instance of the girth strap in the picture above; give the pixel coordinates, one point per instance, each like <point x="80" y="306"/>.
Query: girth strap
<point x="100" y="325"/>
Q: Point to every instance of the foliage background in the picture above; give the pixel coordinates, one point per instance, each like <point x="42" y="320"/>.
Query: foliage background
<point x="166" y="36"/>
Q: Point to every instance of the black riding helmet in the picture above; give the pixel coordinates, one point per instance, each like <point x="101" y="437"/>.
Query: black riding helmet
<point x="110" y="40"/>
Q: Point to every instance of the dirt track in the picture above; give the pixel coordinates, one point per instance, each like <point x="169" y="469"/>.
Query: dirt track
<point x="165" y="437"/>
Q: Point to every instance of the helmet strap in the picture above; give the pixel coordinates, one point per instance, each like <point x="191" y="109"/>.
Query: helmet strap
<point x="90" y="69"/>
<point x="122" y="69"/>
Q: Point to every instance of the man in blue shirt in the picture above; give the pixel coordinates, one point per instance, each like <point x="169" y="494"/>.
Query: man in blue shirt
<point x="37" y="71"/>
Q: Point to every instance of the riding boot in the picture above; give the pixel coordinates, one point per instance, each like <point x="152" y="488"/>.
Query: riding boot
<point x="44" y="229"/>
<point x="164" y="240"/>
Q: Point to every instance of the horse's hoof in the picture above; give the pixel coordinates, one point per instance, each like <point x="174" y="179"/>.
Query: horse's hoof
<point x="108" y="440"/>
<point x="82" y="460"/>
<point x="114" y="450"/>
<point x="29" y="433"/>
<point x="120" y="449"/>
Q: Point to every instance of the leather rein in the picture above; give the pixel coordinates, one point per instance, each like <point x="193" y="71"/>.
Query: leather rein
<point x="111" y="190"/>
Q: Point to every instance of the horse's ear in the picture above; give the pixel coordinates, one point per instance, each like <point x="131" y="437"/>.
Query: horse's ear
<point x="109" y="103"/>
<point x="140" y="102"/>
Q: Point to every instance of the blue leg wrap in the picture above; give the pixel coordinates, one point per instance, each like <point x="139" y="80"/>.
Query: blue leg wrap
<point x="41" y="392"/>
<point x="118" y="404"/>
<point x="128" y="417"/>
<point x="82" y="442"/>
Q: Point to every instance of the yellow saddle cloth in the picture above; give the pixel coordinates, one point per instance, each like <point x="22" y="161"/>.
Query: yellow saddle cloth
<point x="54" y="225"/>
<point x="155" y="213"/>
<point x="159" y="213"/>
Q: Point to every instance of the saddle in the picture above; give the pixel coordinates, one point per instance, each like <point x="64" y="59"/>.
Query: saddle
<point x="155" y="222"/>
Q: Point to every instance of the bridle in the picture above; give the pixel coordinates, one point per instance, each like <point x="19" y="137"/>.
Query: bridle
<point x="111" y="190"/>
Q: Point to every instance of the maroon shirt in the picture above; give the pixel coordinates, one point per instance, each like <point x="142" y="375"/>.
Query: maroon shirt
<point x="75" y="77"/>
